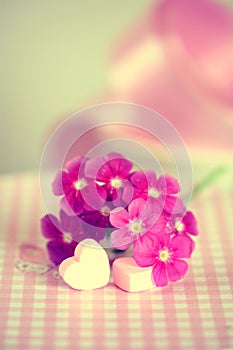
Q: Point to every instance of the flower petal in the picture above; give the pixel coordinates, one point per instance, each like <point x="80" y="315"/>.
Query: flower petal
<point x="119" y="217"/>
<point x="127" y="192"/>
<point x="121" y="239"/>
<point x="57" y="186"/>
<point x="114" y="155"/>
<point x="159" y="274"/>
<point x="144" y="179"/>
<point x="93" y="169"/>
<point x="182" y="246"/>
<point x="116" y="197"/>
<point x="145" y="250"/>
<point x="174" y="205"/>
<point x="137" y="208"/>
<point x="74" y="166"/>
<point x="150" y="210"/>
<point x="190" y="223"/>
<point x="151" y="178"/>
<point x="94" y="196"/>
<point x="119" y="166"/>
<point x="139" y="180"/>
<point x="164" y="239"/>
<point x="64" y="205"/>
<point x="75" y="200"/>
<point x="63" y="183"/>
<point x="171" y="222"/>
<point x="177" y="269"/>
<point x="95" y="218"/>
<point x="159" y="226"/>
<point x="59" y="251"/>
<point x="70" y="224"/>
<point x="168" y="184"/>
<point x="50" y="226"/>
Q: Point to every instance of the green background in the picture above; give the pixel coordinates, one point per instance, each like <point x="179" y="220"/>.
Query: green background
<point x="54" y="60"/>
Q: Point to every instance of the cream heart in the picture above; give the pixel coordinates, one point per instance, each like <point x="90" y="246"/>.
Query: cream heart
<point x="88" y="268"/>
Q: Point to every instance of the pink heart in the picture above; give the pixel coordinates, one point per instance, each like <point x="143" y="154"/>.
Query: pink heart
<point x="130" y="277"/>
<point x="88" y="268"/>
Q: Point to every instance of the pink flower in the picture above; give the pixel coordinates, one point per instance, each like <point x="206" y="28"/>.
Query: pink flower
<point x="204" y="29"/>
<point x="178" y="60"/>
<point x="140" y="220"/>
<point x="180" y="224"/>
<point x="78" y="191"/>
<point x="164" y="254"/>
<point x="113" y="171"/>
<point x="160" y="191"/>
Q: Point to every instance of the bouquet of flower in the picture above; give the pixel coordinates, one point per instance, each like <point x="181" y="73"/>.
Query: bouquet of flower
<point x="109" y="198"/>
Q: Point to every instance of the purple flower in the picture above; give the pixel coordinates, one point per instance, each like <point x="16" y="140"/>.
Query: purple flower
<point x="78" y="191"/>
<point x="164" y="254"/>
<point x="161" y="190"/>
<point x="61" y="244"/>
<point x="140" y="220"/>
<point x="64" y="235"/>
<point x="98" y="218"/>
<point x="113" y="172"/>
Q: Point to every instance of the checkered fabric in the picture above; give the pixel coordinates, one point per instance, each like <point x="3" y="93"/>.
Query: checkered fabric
<point x="38" y="311"/>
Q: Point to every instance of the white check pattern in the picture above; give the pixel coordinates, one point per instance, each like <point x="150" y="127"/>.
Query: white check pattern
<point x="41" y="312"/>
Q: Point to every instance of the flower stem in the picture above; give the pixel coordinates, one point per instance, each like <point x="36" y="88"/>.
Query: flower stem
<point x="208" y="180"/>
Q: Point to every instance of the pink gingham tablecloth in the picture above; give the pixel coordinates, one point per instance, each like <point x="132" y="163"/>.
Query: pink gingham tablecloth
<point x="38" y="311"/>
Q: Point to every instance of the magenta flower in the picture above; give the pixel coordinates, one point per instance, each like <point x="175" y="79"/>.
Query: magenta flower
<point x="78" y="191"/>
<point x="182" y="225"/>
<point x="179" y="224"/>
<point x="164" y="254"/>
<point x="132" y="225"/>
<point x="160" y="191"/>
<point x="113" y="172"/>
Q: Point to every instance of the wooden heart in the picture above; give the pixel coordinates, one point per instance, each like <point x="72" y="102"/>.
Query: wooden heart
<point x="88" y="268"/>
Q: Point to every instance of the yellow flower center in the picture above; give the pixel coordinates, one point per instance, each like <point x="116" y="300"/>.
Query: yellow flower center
<point x="164" y="255"/>
<point x="67" y="238"/>
<point x="105" y="211"/>
<point x="116" y="182"/>
<point x="80" y="184"/>
<point x="136" y="227"/>
<point x="179" y="226"/>
<point x="152" y="192"/>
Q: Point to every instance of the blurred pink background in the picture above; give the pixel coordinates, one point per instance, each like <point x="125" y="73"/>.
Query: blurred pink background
<point x="174" y="56"/>
<point x="178" y="60"/>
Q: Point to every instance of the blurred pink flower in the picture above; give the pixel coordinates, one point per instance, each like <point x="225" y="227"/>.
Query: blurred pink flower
<point x="179" y="61"/>
<point x="203" y="30"/>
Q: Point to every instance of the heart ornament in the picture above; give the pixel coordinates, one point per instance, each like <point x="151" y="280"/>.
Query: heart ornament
<point x="88" y="268"/>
